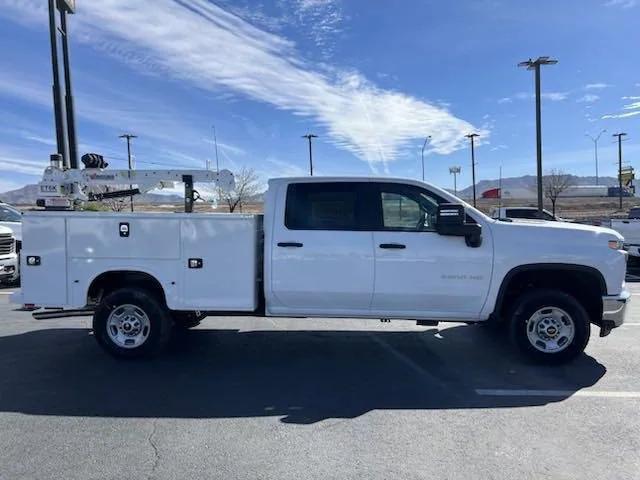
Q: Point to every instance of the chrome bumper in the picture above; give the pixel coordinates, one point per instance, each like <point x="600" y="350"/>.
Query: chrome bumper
<point x="614" y="308"/>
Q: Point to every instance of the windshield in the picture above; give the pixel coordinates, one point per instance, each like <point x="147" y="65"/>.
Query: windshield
<point x="8" y="214"/>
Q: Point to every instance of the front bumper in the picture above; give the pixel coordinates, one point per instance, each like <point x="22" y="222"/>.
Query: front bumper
<point x="614" y="310"/>
<point x="9" y="268"/>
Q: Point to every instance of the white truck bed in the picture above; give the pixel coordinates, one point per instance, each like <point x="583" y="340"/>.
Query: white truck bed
<point x="75" y="247"/>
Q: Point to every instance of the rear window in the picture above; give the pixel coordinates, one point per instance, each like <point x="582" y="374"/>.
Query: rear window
<point x="522" y="213"/>
<point x="322" y="206"/>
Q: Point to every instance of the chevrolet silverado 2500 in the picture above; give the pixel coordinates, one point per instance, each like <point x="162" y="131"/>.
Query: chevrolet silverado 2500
<point x="327" y="247"/>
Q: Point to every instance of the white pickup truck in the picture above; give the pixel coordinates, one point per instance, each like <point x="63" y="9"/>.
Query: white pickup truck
<point x="327" y="247"/>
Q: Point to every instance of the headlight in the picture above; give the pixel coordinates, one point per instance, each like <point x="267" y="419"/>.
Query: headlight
<point x="615" y="244"/>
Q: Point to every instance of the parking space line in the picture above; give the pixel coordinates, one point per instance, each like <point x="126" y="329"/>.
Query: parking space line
<point x="555" y="393"/>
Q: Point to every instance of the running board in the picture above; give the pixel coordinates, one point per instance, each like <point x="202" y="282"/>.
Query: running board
<point x="51" y="314"/>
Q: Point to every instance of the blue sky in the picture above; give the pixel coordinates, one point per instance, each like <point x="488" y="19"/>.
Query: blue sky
<point x="371" y="78"/>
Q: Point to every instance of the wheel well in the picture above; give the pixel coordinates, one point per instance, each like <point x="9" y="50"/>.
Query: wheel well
<point x="585" y="284"/>
<point x="107" y="282"/>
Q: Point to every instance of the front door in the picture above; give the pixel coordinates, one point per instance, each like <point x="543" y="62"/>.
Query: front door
<point x="322" y="256"/>
<point x="419" y="273"/>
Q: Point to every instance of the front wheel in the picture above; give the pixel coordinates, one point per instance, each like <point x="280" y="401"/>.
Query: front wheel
<point x="550" y="326"/>
<point x="132" y="322"/>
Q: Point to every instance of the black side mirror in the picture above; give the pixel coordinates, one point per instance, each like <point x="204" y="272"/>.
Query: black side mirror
<point x="451" y="220"/>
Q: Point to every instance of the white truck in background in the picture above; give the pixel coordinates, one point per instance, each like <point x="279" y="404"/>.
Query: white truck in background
<point x="630" y="230"/>
<point x="327" y="247"/>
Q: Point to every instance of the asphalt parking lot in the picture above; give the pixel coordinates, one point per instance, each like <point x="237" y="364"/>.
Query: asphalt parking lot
<point x="290" y="399"/>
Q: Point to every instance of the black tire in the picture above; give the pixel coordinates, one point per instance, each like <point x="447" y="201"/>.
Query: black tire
<point x="533" y="301"/>
<point x="187" y="320"/>
<point x="159" y="328"/>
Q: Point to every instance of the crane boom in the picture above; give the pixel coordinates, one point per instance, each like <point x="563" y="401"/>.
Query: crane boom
<point x="60" y="188"/>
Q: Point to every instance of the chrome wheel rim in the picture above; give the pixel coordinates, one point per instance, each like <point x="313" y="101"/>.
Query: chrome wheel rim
<point x="550" y="330"/>
<point x="128" y="326"/>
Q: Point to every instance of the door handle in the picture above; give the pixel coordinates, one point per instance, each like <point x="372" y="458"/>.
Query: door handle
<point x="290" y="244"/>
<point x="393" y="246"/>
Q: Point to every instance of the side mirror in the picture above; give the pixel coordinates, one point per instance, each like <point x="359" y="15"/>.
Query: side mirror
<point x="451" y="220"/>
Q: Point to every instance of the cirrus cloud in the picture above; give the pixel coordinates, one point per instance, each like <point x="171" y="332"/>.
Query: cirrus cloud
<point x="201" y="43"/>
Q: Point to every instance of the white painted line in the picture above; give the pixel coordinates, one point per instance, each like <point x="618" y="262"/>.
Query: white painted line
<point x="555" y="393"/>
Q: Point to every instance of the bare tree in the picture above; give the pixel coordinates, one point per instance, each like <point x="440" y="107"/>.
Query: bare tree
<point x="554" y="183"/>
<point x="247" y="187"/>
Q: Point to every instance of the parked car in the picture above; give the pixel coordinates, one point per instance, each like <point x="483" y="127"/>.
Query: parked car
<point x="340" y="247"/>
<point x="11" y="218"/>
<point x="9" y="269"/>
<point x="529" y="213"/>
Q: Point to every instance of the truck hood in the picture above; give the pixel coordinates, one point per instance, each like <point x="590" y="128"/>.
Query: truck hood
<point x="539" y="229"/>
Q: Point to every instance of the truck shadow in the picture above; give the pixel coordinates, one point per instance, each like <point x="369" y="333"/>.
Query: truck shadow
<point x="301" y="376"/>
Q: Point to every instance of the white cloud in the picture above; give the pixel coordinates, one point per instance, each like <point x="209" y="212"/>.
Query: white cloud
<point x="629" y="110"/>
<point x="596" y="86"/>
<point x="215" y="50"/>
<point x="553" y="96"/>
<point x="589" y="98"/>
<point x="621" y="3"/>
<point x="631" y="98"/>
<point x="505" y="100"/>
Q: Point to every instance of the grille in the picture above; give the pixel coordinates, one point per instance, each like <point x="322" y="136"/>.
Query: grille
<point x="7" y="244"/>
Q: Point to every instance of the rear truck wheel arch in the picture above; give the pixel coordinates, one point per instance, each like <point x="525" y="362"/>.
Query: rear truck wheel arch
<point x="112" y="280"/>
<point x="586" y="284"/>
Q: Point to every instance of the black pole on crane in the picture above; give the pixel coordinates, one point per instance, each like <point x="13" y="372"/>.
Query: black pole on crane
<point x="66" y="140"/>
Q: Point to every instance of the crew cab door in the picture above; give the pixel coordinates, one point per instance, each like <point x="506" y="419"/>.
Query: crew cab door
<point x="419" y="273"/>
<point x="321" y="259"/>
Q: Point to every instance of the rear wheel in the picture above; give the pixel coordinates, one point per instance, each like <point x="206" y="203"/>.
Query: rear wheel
<point x="550" y="326"/>
<point x="131" y="323"/>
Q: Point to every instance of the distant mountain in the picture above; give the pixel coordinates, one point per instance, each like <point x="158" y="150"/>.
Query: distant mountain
<point x="528" y="183"/>
<point x="28" y="195"/>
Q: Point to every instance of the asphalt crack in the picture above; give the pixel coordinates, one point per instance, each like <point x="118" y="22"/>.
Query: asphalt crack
<point x="156" y="452"/>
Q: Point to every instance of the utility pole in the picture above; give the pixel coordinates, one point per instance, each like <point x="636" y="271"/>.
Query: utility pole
<point x="471" y="137"/>
<point x="309" y="136"/>
<point x="455" y="171"/>
<point x="619" y="136"/>
<point x="595" y="145"/>
<point x="535" y="66"/>
<point x="500" y="189"/>
<point x="215" y="142"/>
<point x="423" y="147"/>
<point x="129" y="136"/>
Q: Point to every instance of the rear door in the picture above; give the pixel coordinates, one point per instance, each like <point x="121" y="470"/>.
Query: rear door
<point x="419" y="273"/>
<point x="322" y="254"/>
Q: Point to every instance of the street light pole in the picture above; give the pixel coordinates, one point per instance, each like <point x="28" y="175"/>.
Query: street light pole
<point x="595" y="144"/>
<point x="310" y="136"/>
<point x="129" y="136"/>
<point x="471" y="137"/>
<point x="455" y="171"/>
<point x="535" y="66"/>
<point x="619" y="136"/>
<point x="423" y="147"/>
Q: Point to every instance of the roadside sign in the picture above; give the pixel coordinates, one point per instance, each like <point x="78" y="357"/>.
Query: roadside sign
<point x="68" y="5"/>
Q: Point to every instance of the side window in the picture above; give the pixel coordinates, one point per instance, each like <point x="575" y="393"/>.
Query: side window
<point x="323" y="206"/>
<point x="407" y="209"/>
<point x="400" y="212"/>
